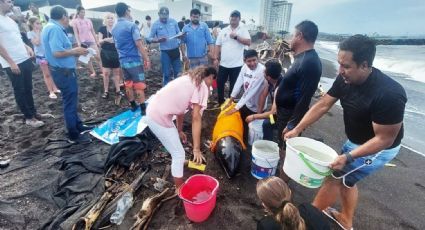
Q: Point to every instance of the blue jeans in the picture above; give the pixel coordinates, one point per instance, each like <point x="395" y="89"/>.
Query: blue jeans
<point x="269" y="131"/>
<point x="195" y="62"/>
<point x="363" y="166"/>
<point x="166" y="62"/>
<point x="22" y="88"/>
<point x="66" y="81"/>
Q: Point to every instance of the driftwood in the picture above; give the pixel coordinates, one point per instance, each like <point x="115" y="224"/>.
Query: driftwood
<point x="105" y="207"/>
<point x="280" y="50"/>
<point x="86" y="222"/>
<point x="150" y="206"/>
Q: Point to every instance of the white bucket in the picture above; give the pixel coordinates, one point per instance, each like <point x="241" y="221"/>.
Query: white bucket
<point x="307" y="161"/>
<point x="255" y="131"/>
<point x="265" y="157"/>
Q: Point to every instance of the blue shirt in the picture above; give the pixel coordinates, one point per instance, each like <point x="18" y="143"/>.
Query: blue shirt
<point x="197" y="39"/>
<point x="169" y="29"/>
<point x="55" y="39"/>
<point x="125" y="34"/>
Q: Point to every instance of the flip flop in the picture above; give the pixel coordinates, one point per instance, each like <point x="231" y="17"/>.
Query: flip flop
<point x="329" y="213"/>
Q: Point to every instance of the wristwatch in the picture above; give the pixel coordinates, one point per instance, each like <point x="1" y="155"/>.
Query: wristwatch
<point x="350" y="158"/>
<point x="236" y="37"/>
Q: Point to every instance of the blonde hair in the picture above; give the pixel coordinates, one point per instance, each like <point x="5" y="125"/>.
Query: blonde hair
<point x="105" y="18"/>
<point x="31" y="22"/>
<point x="276" y="195"/>
<point x="199" y="73"/>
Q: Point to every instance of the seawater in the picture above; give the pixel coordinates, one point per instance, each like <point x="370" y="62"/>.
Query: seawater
<point x="314" y="153"/>
<point x="405" y="65"/>
<point x="201" y="196"/>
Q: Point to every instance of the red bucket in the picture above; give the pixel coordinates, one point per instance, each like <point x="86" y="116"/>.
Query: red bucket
<point x="199" y="194"/>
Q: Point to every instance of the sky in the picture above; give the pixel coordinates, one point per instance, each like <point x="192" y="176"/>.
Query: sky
<point x="385" y="17"/>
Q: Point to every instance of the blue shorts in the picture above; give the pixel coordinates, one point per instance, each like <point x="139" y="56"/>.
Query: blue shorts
<point x="363" y="166"/>
<point x="133" y="71"/>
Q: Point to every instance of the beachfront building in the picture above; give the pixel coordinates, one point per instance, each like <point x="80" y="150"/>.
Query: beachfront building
<point x="275" y="15"/>
<point x="180" y="8"/>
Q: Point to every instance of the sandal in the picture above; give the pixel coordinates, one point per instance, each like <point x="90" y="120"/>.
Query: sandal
<point x="105" y="95"/>
<point x="329" y="212"/>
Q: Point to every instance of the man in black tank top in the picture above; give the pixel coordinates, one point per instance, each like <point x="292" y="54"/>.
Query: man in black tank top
<point x="373" y="106"/>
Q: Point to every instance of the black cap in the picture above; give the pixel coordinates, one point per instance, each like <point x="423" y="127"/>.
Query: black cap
<point x="235" y="13"/>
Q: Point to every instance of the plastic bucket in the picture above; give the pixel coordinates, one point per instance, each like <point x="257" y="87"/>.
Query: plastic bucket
<point x="255" y="131"/>
<point x="199" y="194"/>
<point x="265" y="157"/>
<point x="307" y="161"/>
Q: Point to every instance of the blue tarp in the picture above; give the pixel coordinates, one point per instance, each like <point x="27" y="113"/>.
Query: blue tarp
<point x="126" y="124"/>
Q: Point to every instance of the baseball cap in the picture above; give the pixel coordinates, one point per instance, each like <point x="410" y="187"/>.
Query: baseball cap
<point x="235" y="13"/>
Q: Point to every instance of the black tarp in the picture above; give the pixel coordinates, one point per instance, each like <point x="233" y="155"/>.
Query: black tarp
<point x="54" y="184"/>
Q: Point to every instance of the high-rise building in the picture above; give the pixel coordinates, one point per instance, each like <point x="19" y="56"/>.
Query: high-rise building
<point x="275" y="15"/>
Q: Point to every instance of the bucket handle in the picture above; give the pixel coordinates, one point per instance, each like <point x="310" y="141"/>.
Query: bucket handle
<point x="312" y="168"/>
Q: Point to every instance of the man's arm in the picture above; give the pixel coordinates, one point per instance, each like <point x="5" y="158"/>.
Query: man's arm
<point x="264" y="115"/>
<point x="263" y="96"/>
<point x="13" y="66"/>
<point x="183" y="51"/>
<point x="142" y="50"/>
<point x="244" y="41"/>
<point x="384" y="138"/>
<point x="217" y="49"/>
<point x="77" y="51"/>
<point x="314" y="114"/>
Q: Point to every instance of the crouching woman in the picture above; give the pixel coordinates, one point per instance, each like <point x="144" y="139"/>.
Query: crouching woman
<point x="189" y="91"/>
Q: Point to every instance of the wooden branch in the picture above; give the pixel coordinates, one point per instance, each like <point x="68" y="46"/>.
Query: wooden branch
<point x="149" y="206"/>
<point x="86" y="222"/>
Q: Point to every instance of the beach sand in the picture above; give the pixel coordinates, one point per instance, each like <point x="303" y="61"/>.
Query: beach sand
<point x="393" y="198"/>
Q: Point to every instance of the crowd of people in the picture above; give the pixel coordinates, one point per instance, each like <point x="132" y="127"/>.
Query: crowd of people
<point x="373" y="103"/>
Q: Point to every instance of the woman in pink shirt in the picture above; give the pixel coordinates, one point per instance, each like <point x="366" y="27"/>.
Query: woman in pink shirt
<point x="188" y="91"/>
<point x="85" y="35"/>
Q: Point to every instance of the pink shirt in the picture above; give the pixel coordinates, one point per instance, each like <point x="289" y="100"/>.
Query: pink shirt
<point x="84" y="27"/>
<point x="175" y="98"/>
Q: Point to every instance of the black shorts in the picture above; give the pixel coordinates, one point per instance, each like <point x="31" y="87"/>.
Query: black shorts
<point x="109" y="59"/>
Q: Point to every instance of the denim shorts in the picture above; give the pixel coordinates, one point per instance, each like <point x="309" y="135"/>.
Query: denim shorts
<point x="133" y="71"/>
<point x="363" y="166"/>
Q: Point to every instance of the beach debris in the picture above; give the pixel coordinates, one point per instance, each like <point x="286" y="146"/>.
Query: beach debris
<point x="108" y="202"/>
<point x="161" y="183"/>
<point x="86" y="222"/>
<point x="4" y="163"/>
<point x="150" y="206"/>
<point x="280" y="50"/>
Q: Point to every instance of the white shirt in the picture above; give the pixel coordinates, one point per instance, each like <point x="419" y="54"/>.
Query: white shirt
<point x="11" y="40"/>
<point x="231" y="50"/>
<point x="252" y="82"/>
<point x="146" y="30"/>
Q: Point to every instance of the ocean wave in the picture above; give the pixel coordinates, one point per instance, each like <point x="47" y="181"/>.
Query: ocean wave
<point x="415" y="69"/>
<point x="406" y="60"/>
